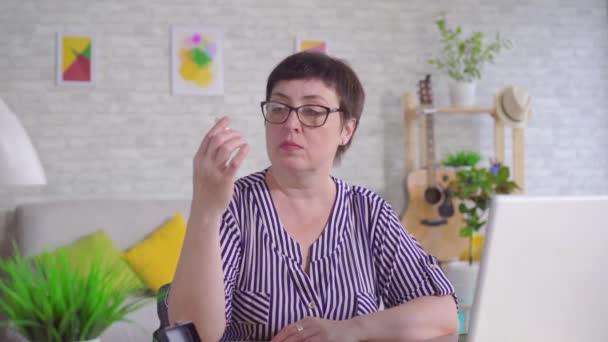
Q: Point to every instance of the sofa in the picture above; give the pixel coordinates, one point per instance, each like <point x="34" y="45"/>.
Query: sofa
<point x="48" y="225"/>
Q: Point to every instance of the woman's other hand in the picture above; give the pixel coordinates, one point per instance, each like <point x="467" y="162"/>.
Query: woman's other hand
<point x="214" y="172"/>
<point x="317" y="329"/>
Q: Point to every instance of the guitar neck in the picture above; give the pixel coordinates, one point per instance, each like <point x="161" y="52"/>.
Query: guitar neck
<point x="426" y="100"/>
<point x="430" y="149"/>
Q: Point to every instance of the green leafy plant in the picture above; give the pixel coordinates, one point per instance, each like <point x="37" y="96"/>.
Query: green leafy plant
<point x="474" y="188"/>
<point x="47" y="299"/>
<point x="463" y="57"/>
<point x="462" y="158"/>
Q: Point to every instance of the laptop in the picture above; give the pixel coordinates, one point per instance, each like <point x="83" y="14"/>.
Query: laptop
<point x="544" y="271"/>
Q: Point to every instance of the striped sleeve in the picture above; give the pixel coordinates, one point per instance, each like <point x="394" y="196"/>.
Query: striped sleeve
<point x="407" y="272"/>
<point x="230" y="245"/>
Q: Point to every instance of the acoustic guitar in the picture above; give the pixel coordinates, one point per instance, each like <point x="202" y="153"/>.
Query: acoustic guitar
<point x="431" y="214"/>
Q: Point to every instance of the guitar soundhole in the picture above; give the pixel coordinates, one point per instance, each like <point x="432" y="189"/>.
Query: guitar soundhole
<point x="432" y="195"/>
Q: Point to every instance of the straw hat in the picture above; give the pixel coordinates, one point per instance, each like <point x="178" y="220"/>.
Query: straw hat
<point x="513" y="106"/>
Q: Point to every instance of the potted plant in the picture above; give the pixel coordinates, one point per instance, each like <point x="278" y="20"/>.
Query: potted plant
<point x="463" y="58"/>
<point x="45" y="298"/>
<point x="462" y="159"/>
<point x="474" y="188"/>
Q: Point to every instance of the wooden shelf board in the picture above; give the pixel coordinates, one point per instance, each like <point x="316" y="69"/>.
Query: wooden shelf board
<point x="459" y="110"/>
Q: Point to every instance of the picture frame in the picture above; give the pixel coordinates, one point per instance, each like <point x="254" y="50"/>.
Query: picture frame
<point x="197" y="60"/>
<point x="315" y="43"/>
<point x="76" y="61"/>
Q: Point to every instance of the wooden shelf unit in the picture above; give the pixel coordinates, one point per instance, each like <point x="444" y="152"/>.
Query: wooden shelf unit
<point x="412" y="113"/>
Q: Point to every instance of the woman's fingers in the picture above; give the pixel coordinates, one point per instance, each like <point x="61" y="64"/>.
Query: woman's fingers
<point x="220" y="126"/>
<point x="217" y="141"/>
<point x="237" y="160"/>
<point x="313" y="338"/>
<point x="217" y="147"/>
<point x="298" y="331"/>
<point x="224" y="151"/>
<point x="284" y="333"/>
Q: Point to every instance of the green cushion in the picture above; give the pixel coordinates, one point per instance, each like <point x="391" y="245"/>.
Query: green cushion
<point x="81" y="255"/>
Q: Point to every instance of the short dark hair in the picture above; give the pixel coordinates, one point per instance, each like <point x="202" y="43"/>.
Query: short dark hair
<point x="335" y="73"/>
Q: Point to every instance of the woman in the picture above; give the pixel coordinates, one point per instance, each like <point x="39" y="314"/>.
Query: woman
<point x="291" y="253"/>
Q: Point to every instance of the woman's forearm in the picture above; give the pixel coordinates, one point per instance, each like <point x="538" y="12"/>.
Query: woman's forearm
<point x="417" y="320"/>
<point x="197" y="290"/>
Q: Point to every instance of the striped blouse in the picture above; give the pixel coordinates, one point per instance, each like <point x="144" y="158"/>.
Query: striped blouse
<point x="363" y="257"/>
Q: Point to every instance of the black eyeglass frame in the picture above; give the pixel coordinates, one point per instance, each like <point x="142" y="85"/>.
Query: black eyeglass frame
<point x="297" y="111"/>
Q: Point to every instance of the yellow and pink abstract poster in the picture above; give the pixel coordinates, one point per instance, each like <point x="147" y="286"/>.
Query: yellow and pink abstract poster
<point x="197" y="66"/>
<point x="312" y="44"/>
<point x="75" y="59"/>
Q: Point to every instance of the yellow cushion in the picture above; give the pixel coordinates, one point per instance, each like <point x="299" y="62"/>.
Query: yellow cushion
<point x="155" y="258"/>
<point x="99" y="247"/>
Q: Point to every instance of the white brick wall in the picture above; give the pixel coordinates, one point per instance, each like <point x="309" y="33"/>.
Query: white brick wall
<point x="128" y="137"/>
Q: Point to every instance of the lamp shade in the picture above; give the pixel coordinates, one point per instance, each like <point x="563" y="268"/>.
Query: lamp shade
<point x="19" y="162"/>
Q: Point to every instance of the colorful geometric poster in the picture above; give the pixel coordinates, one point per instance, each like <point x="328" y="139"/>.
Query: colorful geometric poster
<point x="312" y="44"/>
<point x="75" y="59"/>
<point x="197" y="61"/>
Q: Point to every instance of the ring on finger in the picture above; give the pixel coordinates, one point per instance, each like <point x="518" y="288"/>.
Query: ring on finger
<point x="299" y="328"/>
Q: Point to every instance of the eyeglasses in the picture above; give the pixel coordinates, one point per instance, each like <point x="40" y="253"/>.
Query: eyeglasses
<point x="309" y="115"/>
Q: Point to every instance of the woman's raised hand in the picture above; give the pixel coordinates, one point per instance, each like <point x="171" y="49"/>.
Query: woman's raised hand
<point x="214" y="171"/>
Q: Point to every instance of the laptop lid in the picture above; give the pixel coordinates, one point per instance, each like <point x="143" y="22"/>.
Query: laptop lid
<point x="544" y="271"/>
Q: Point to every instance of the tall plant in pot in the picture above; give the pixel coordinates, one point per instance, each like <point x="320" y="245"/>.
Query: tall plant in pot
<point x="463" y="58"/>
<point x="46" y="298"/>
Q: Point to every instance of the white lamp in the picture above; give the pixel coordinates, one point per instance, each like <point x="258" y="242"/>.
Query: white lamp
<point x="19" y="162"/>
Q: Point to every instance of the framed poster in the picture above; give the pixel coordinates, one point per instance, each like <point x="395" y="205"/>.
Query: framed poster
<point x="197" y="61"/>
<point x="312" y="43"/>
<point x="75" y="58"/>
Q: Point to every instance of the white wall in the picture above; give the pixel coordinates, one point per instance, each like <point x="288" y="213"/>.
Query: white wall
<point x="128" y="137"/>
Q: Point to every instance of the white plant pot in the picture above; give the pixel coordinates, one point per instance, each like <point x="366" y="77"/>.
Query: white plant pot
<point x="462" y="94"/>
<point x="93" y="340"/>
<point x="464" y="278"/>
